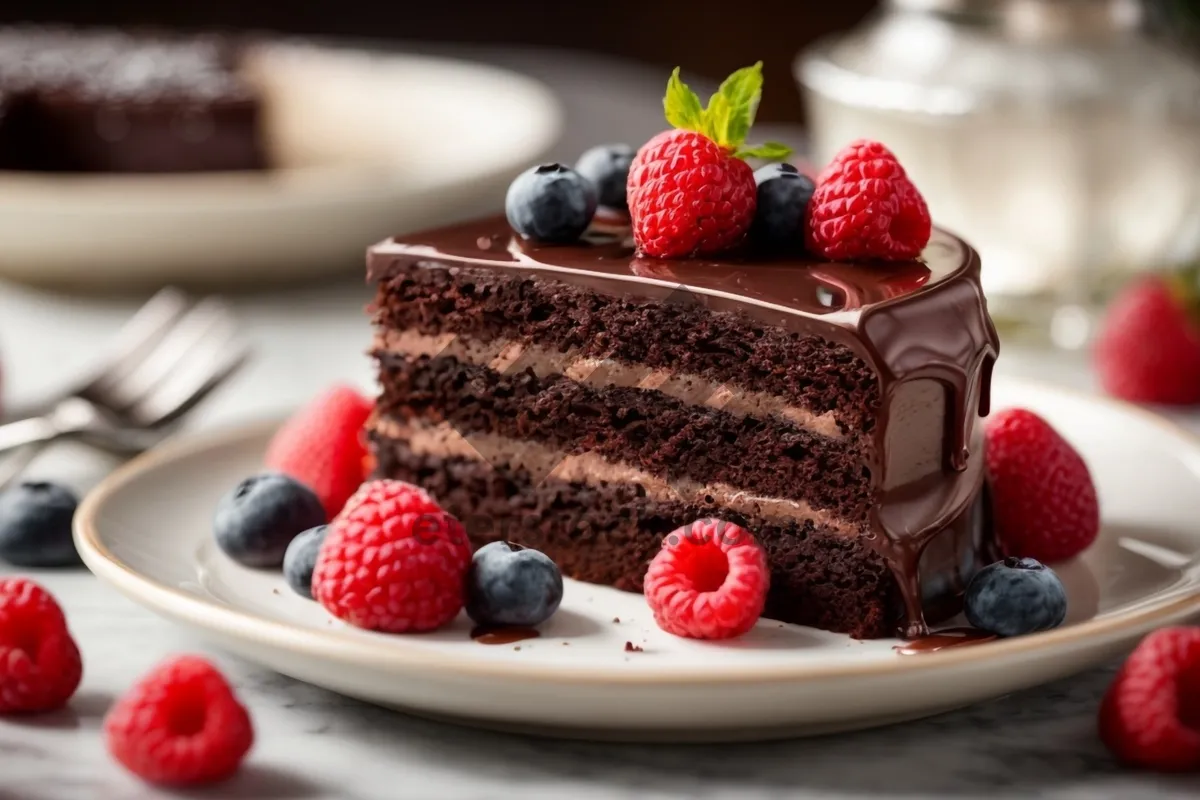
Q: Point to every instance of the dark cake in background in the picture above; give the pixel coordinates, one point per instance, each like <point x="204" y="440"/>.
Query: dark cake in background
<point x="111" y="101"/>
<point x="586" y="402"/>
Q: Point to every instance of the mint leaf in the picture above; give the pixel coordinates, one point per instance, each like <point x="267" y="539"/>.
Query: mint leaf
<point x="717" y="119"/>
<point x="742" y="91"/>
<point x="768" y="151"/>
<point x="682" y="106"/>
<point x="729" y="114"/>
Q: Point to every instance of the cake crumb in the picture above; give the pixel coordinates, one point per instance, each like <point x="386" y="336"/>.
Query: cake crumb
<point x="275" y="590"/>
<point x="564" y="644"/>
<point x="518" y="647"/>
<point x="630" y="647"/>
<point x="617" y="620"/>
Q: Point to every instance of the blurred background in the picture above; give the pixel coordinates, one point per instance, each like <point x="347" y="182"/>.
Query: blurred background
<point x="1061" y="137"/>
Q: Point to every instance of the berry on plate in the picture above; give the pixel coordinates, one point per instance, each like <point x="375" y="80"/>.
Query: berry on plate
<point x="866" y="208"/>
<point x="1148" y="347"/>
<point x="512" y="585"/>
<point x="1044" y="501"/>
<point x="322" y="446"/>
<point x="782" y="204"/>
<point x="180" y="725"/>
<point x="301" y="558"/>
<point x="607" y="167"/>
<point x="709" y="581"/>
<point x="257" y="519"/>
<point x="392" y="561"/>
<point x="1150" y="716"/>
<point x="1014" y="597"/>
<point x="690" y="192"/>
<point x="550" y="203"/>
<point x="40" y="666"/>
<point x="35" y="525"/>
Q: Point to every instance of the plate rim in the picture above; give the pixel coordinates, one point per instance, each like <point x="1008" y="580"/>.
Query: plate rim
<point x="206" y="613"/>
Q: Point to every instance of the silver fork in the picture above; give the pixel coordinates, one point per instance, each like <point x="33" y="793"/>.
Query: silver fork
<point x="166" y="360"/>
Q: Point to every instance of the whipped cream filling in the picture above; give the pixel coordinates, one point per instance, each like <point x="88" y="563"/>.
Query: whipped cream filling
<point x="546" y="463"/>
<point x="504" y="354"/>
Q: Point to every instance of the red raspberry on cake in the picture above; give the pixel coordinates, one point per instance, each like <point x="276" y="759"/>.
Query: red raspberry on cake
<point x="180" y="725"/>
<point x="709" y="581"/>
<point x="1148" y="347"/>
<point x="1044" y="500"/>
<point x="40" y="666"/>
<point x="866" y="208"/>
<point x="1150" y="716"/>
<point x="322" y="446"/>
<point x="689" y="190"/>
<point x="392" y="561"/>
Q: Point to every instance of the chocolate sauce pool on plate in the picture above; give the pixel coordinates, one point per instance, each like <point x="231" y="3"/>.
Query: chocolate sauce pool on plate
<point x="943" y="640"/>
<point x="485" y="634"/>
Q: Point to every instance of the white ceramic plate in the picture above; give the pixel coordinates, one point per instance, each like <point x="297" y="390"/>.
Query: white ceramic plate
<point x="147" y="531"/>
<point x="368" y="145"/>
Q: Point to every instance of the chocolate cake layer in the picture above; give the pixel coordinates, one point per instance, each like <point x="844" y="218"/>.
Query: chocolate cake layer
<point x="677" y="333"/>
<point x="109" y="101"/>
<point x="646" y="429"/>
<point x="841" y="401"/>
<point x="510" y="356"/>
<point x="608" y="533"/>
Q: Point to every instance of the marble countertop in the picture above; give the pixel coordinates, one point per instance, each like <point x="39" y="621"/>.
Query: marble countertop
<point x="314" y="744"/>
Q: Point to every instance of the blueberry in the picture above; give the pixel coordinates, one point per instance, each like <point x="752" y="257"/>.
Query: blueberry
<point x="607" y="167"/>
<point x="512" y="585"/>
<point x="783" y="197"/>
<point x="550" y="203"/>
<point x="1016" y="596"/>
<point x="35" y="525"/>
<point x="301" y="558"/>
<point x="258" y="519"/>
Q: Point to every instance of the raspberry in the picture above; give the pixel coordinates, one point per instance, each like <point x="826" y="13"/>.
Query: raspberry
<point x="40" y="667"/>
<point x="709" y="581"/>
<point x="1150" y="716"/>
<point x="1044" y="499"/>
<point x="688" y="196"/>
<point x="322" y="446"/>
<point x="865" y="207"/>
<point x="392" y="561"/>
<point x="689" y="192"/>
<point x="1148" y="347"/>
<point x="180" y="725"/>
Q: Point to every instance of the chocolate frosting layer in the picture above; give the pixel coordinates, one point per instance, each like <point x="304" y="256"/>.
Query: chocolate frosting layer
<point x="911" y="320"/>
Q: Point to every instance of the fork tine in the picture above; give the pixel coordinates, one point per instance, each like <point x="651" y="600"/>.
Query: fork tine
<point x="138" y="337"/>
<point x="207" y="318"/>
<point x="204" y="372"/>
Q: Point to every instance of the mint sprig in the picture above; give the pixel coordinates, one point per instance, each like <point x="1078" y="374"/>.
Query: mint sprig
<point x="729" y="115"/>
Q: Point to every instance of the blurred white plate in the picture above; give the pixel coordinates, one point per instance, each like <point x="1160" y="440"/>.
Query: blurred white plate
<point x="367" y="144"/>
<point x="147" y="531"/>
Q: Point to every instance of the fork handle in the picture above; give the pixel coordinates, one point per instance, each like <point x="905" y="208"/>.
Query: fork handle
<point x="36" y="430"/>
<point x="12" y="467"/>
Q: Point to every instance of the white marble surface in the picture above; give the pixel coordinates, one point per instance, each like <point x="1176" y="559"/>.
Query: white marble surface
<point x="312" y="744"/>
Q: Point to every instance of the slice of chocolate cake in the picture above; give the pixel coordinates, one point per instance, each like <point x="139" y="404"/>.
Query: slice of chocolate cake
<point x="109" y="101"/>
<point x="586" y="401"/>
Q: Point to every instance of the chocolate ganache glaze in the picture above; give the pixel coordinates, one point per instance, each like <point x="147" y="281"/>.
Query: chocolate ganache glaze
<point x="918" y="323"/>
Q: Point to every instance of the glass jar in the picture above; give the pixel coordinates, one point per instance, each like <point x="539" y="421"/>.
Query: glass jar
<point x="1056" y="135"/>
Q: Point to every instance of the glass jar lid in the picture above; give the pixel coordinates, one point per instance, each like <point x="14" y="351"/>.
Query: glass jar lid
<point x="1038" y="17"/>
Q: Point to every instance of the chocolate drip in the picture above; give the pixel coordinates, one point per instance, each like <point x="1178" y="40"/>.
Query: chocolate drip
<point x="912" y="320"/>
